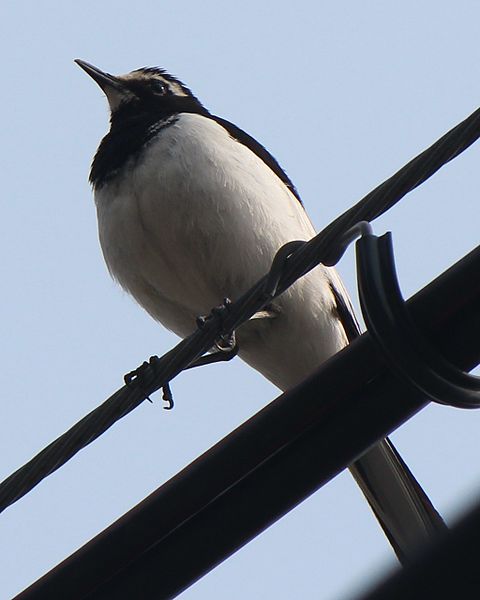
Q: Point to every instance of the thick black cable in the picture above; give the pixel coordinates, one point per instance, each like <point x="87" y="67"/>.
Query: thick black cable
<point x="408" y="352"/>
<point x="270" y="463"/>
<point x="322" y="248"/>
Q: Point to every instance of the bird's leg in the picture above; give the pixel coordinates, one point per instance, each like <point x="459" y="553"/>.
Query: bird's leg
<point x="139" y="372"/>
<point x="226" y="345"/>
<point x="167" y="396"/>
<point x="137" y="375"/>
<point x="226" y="349"/>
<point x="218" y="312"/>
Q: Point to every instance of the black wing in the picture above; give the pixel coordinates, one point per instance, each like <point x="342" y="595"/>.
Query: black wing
<point x="346" y="315"/>
<point x="251" y="143"/>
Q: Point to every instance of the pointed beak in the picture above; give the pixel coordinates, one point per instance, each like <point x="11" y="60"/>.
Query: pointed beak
<point x="113" y="87"/>
<point x="104" y="80"/>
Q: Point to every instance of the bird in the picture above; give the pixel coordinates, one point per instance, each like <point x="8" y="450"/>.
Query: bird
<point x="192" y="209"/>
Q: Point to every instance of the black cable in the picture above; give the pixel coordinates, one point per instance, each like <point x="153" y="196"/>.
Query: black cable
<point x="322" y="248"/>
<point x="389" y="323"/>
<point x="270" y="463"/>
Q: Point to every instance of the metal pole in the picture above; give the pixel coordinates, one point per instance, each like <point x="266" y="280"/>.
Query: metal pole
<point x="269" y="464"/>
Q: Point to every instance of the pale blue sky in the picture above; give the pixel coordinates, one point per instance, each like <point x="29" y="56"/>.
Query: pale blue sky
<point x="342" y="94"/>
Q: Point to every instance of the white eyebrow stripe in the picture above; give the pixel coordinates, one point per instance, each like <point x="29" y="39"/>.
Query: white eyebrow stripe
<point x="175" y="87"/>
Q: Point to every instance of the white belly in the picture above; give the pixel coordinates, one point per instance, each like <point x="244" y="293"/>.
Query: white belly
<point x="199" y="218"/>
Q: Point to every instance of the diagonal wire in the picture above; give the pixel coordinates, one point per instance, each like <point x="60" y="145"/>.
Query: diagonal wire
<point x="326" y="247"/>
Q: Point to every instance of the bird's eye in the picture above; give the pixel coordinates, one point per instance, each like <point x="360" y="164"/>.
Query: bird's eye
<point x="159" y="87"/>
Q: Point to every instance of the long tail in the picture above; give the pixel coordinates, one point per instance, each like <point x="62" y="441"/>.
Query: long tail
<point x="402" y="508"/>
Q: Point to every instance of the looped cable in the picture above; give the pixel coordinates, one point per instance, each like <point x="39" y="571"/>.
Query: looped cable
<point x="389" y="323"/>
<point x="338" y="248"/>
<point x="278" y="266"/>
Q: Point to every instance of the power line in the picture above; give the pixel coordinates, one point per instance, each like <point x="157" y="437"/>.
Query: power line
<point x="326" y="247"/>
<point x="269" y="464"/>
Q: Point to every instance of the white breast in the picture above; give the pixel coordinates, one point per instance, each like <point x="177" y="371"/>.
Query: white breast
<point x="198" y="218"/>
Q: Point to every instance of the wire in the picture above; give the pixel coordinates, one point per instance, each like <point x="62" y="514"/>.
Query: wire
<point x="322" y="248"/>
<point x="269" y="464"/>
<point x="407" y="350"/>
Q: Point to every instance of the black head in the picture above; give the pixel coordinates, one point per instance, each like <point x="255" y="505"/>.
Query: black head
<point x="148" y="90"/>
<point x="141" y="103"/>
<point x="144" y="102"/>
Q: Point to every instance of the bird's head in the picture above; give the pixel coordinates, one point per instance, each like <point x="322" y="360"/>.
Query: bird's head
<point x="145" y="90"/>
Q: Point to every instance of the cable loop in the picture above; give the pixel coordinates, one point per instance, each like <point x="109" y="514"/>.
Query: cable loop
<point x="408" y="352"/>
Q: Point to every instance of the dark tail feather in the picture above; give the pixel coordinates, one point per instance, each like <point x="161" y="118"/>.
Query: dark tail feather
<point x="404" y="511"/>
<point x="402" y="508"/>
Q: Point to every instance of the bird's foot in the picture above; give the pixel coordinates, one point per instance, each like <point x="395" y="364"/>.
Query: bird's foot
<point x="218" y="312"/>
<point x="140" y="372"/>
<point x="224" y="353"/>
<point x="226" y="345"/>
<point x="167" y="396"/>
<point x="226" y="348"/>
<point x="138" y="375"/>
<point x="226" y="342"/>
